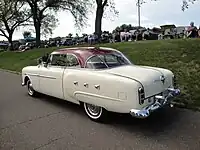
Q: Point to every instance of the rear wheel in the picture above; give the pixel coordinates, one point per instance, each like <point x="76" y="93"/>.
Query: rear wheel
<point x="30" y="89"/>
<point x="95" y="113"/>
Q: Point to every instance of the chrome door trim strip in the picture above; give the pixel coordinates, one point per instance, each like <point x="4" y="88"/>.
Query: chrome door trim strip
<point x="31" y="74"/>
<point x="49" y="77"/>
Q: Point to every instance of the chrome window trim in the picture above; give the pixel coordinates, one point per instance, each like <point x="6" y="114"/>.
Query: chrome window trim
<point x="105" y="62"/>
<point x="50" y="57"/>
<point x="115" y="50"/>
<point x="79" y="66"/>
<point x="94" y="56"/>
<point x="67" y="54"/>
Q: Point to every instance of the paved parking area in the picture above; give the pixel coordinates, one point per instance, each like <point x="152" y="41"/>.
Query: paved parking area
<point x="47" y="123"/>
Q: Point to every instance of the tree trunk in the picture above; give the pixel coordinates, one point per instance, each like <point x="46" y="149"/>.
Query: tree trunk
<point x="37" y="30"/>
<point x="10" y="47"/>
<point x="98" y="21"/>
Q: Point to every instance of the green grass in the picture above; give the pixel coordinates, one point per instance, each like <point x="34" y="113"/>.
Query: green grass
<point x="180" y="56"/>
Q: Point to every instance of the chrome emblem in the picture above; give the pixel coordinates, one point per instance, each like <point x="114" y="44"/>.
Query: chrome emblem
<point x="162" y="79"/>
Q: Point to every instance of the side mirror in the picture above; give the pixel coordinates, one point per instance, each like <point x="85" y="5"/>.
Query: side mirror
<point x="45" y="64"/>
<point x="39" y="61"/>
<point x="45" y="58"/>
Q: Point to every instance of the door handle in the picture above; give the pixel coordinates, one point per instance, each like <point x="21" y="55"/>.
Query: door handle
<point x="97" y="86"/>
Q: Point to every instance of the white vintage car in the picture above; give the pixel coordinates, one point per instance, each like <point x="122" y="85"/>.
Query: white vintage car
<point x="101" y="80"/>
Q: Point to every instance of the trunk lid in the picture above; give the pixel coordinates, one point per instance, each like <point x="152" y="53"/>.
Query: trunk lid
<point x="149" y="77"/>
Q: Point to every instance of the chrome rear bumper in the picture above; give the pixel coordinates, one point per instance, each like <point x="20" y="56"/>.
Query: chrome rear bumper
<point x="160" y="101"/>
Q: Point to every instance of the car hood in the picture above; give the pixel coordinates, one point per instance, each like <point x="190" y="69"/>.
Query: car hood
<point x="148" y="77"/>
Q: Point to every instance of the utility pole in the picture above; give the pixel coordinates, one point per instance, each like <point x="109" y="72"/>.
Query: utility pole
<point x="138" y="4"/>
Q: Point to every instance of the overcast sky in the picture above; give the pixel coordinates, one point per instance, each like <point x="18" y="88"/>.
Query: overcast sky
<point x="152" y="14"/>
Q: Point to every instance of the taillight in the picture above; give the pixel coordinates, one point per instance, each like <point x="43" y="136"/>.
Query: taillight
<point x="141" y="95"/>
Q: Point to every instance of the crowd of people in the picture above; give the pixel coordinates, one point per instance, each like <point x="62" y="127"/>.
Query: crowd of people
<point x="190" y="31"/>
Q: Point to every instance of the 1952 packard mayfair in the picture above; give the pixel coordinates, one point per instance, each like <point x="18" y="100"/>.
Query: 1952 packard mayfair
<point x="101" y="80"/>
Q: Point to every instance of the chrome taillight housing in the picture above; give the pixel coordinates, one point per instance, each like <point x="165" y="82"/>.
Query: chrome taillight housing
<point x="141" y="95"/>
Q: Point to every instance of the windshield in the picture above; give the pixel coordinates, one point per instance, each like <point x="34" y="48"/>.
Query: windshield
<point x="109" y="60"/>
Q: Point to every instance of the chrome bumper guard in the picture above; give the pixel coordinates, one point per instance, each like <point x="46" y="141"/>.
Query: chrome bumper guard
<point x="160" y="101"/>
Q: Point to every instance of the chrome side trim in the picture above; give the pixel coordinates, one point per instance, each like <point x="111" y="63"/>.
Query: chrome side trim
<point x="49" y="77"/>
<point x="96" y="96"/>
<point x="160" y="101"/>
<point x="31" y="74"/>
<point x="37" y="75"/>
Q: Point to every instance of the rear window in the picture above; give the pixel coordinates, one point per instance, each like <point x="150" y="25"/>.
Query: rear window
<point x="109" y="60"/>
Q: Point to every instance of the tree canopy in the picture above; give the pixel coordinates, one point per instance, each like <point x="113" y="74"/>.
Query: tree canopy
<point x="27" y="34"/>
<point x="44" y="13"/>
<point x="185" y="4"/>
<point x="12" y="15"/>
<point x="15" y="13"/>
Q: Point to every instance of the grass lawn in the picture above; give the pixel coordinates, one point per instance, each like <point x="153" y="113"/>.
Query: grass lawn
<point x="180" y="56"/>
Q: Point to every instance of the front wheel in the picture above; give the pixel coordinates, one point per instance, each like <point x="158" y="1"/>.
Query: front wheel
<point x="95" y="113"/>
<point x="30" y="89"/>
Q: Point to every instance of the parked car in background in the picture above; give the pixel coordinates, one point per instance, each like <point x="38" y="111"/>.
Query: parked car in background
<point x="101" y="80"/>
<point x="3" y="45"/>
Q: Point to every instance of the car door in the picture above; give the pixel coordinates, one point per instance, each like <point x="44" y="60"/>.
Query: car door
<point x="50" y="77"/>
<point x="69" y="77"/>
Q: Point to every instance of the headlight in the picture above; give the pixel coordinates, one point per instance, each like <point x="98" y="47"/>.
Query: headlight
<point x="141" y="95"/>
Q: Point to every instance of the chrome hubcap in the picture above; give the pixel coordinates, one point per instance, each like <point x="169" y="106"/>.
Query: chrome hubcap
<point x="93" y="111"/>
<point x="30" y="88"/>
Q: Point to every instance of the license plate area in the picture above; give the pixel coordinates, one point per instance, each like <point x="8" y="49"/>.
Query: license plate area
<point x="153" y="99"/>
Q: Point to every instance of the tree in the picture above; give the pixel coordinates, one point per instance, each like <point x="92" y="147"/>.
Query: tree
<point x="102" y="5"/>
<point x="27" y="34"/>
<point x="185" y="4"/>
<point x="84" y="35"/>
<point x="12" y="15"/>
<point x="70" y="35"/>
<point x="44" y="11"/>
<point x="125" y="27"/>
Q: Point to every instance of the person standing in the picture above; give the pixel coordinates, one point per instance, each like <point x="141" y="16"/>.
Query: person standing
<point x="192" y="31"/>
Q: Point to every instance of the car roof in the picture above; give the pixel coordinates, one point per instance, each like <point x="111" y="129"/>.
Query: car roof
<point x="83" y="53"/>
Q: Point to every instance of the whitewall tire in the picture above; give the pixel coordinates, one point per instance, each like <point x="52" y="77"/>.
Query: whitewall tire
<point x="30" y="89"/>
<point x="95" y="113"/>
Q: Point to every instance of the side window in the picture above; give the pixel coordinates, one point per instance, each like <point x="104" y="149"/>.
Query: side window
<point x="58" y="60"/>
<point x="95" y="63"/>
<point x="72" y="61"/>
<point x="109" y="58"/>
